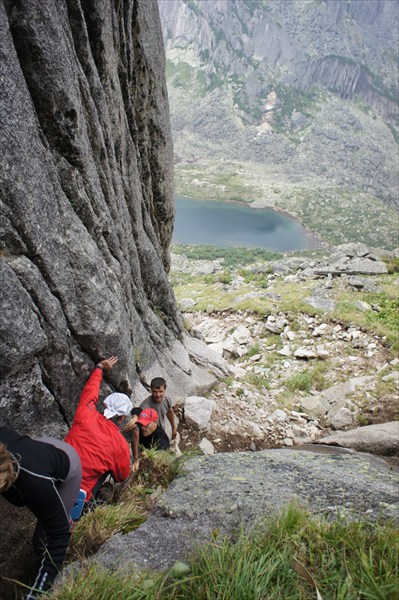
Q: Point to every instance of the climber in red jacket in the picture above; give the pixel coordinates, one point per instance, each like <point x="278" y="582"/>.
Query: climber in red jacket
<point x="96" y="437"/>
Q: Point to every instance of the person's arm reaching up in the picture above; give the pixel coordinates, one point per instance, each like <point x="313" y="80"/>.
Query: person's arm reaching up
<point x="91" y="390"/>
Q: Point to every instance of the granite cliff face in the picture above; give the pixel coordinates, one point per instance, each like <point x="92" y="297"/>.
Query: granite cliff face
<point x="87" y="207"/>
<point x="310" y="85"/>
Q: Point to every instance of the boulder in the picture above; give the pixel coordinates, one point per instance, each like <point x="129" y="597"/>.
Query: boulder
<point x="285" y="351"/>
<point x="335" y="393"/>
<point x="207" y="447"/>
<point x="279" y="415"/>
<point x="205" y="357"/>
<point x="366" y="266"/>
<point x="276" y="324"/>
<point x="320" y="330"/>
<point x="187" y="303"/>
<point x="376" y="439"/>
<point x="315" y="406"/>
<point x="352" y="250"/>
<point x="342" y="418"/>
<point x="323" y="304"/>
<point x="242" y="335"/>
<point x="322" y="353"/>
<point x="198" y="411"/>
<point x="305" y="353"/>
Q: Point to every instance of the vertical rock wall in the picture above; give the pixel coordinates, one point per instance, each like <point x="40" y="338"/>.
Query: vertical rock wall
<point x="87" y="206"/>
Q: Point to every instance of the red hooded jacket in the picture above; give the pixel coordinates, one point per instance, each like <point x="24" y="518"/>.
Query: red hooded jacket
<point x="97" y="440"/>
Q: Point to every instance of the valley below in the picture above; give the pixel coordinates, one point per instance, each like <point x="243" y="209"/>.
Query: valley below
<point x="278" y="104"/>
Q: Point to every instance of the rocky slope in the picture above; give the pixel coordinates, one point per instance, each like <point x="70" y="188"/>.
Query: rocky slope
<point x="306" y="91"/>
<point x="301" y="335"/>
<point x="87" y="208"/>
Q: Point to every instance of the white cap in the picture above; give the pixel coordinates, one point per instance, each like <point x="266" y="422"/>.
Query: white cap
<point x="117" y="404"/>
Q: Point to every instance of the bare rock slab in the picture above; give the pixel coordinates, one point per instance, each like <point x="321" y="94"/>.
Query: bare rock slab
<point x="377" y="439"/>
<point x="229" y="490"/>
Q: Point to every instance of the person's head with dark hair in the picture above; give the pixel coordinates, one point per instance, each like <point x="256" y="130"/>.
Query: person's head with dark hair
<point x="158" y="387"/>
<point x="158" y="382"/>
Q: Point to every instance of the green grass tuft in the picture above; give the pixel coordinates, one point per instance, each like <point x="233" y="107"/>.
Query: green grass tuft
<point x="258" y="381"/>
<point x="300" y="381"/>
<point x="232" y="257"/>
<point x="97" y="526"/>
<point x="348" y="560"/>
<point x="157" y="468"/>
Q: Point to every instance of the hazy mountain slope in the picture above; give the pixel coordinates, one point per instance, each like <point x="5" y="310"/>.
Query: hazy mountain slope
<point x="303" y="95"/>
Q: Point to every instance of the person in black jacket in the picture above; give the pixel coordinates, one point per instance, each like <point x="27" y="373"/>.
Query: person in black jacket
<point x="45" y="476"/>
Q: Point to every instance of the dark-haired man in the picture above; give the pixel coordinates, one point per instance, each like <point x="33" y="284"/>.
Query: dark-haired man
<point x="159" y="402"/>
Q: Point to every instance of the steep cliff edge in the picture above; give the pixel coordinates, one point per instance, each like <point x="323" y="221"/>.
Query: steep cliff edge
<point x="87" y="207"/>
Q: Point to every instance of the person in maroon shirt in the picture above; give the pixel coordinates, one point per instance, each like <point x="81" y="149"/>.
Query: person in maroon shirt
<point x="96" y="437"/>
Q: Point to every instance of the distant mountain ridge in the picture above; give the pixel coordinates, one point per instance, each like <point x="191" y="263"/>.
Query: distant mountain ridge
<point x="346" y="47"/>
<point x="308" y="89"/>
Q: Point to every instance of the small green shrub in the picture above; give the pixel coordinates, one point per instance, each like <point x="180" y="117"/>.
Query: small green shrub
<point x="362" y="420"/>
<point x="97" y="526"/>
<point x="258" y="380"/>
<point x="392" y="263"/>
<point x="224" y="277"/>
<point x="232" y="257"/>
<point x="258" y="279"/>
<point x="388" y="314"/>
<point x="252" y="350"/>
<point x="300" y="382"/>
<point x="211" y="278"/>
<point x="310" y="378"/>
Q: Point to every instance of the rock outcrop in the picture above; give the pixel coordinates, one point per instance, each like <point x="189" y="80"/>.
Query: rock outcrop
<point x="376" y="439"/>
<point x="87" y="208"/>
<point x="226" y="491"/>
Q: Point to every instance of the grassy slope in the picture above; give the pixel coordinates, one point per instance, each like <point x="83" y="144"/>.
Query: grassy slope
<point x="211" y="293"/>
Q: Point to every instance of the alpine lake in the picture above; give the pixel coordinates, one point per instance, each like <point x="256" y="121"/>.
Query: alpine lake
<point x="227" y="224"/>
